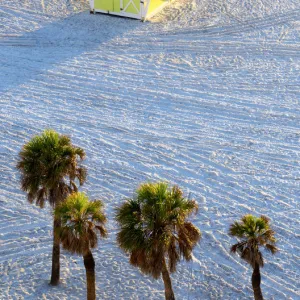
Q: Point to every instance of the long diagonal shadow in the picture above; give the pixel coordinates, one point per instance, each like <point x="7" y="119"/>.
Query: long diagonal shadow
<point x="25" y="57"/>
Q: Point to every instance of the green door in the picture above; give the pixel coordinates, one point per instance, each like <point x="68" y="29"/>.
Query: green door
<point x="131" y="6"/>
<point x="107" y="5"/>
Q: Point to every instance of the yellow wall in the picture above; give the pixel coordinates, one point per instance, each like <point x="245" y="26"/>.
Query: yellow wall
<point x="154" y="4"/>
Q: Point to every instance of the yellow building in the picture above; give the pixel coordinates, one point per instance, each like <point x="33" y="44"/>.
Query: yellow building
<point x="137" y="9"/>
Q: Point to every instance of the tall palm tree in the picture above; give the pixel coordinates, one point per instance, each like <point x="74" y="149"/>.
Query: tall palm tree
<point x="80" y="221"/>
<point x="154" y="230"/>
<point x="254" y="232"/>
<point x="50" y="168"/>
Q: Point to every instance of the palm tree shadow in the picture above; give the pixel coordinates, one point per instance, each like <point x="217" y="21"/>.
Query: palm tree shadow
<point x="25" y="57"/>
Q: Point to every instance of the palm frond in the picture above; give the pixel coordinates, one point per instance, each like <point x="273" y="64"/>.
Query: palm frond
<point x="80" y="222"/>
<point x="48" y="163"/>
<point x="192" y="232"/>
<point x="254" y="232"/>
<point x="102" y="230"/>
<point x="173" y="255"/>
<point x="234" y="248"/>
<point x="153" y="226"/>
<point x="272" y="248"/>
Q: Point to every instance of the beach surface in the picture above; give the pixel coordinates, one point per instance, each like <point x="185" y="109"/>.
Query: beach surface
<point x="205" y="95"/>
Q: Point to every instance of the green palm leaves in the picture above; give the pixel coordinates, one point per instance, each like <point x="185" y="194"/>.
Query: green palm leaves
<point x="80" y="222"/>
<point x="254" y="232"/>
<point x="153" y="225"/>
<point x="49" y="166"/>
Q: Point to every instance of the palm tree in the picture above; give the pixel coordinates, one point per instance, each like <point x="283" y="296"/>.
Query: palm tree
<point x="80" y="221"/>
<point x="49" y="166"/>
<point x="155" y="232"/>
<point x="254" y="232"/>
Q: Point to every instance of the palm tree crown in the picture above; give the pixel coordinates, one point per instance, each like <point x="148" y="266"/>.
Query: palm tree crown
<point x="153" y="225"/>
<point x="254" y="232"/>
<point x="49" y="167"/>
<point x="80" y="221"/>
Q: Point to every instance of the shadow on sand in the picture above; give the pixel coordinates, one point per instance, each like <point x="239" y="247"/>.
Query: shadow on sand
<point x="25" y="57"/>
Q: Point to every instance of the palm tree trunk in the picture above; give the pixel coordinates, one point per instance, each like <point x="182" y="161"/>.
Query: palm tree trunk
<point x="256" y="283"/>
<point x="169" y="294"/>
<point x="55" y="254"/>
<point x="89" y="264"/>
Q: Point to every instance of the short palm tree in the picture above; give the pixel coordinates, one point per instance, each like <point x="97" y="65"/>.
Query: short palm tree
<point x="50" y="168"/>
<point x="80" y="222"/>
<point x="154" y="230"/>
<point x="254" y="232"/>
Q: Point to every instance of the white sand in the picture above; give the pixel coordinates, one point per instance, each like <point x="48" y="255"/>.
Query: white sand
<point x="205" y="96"/>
